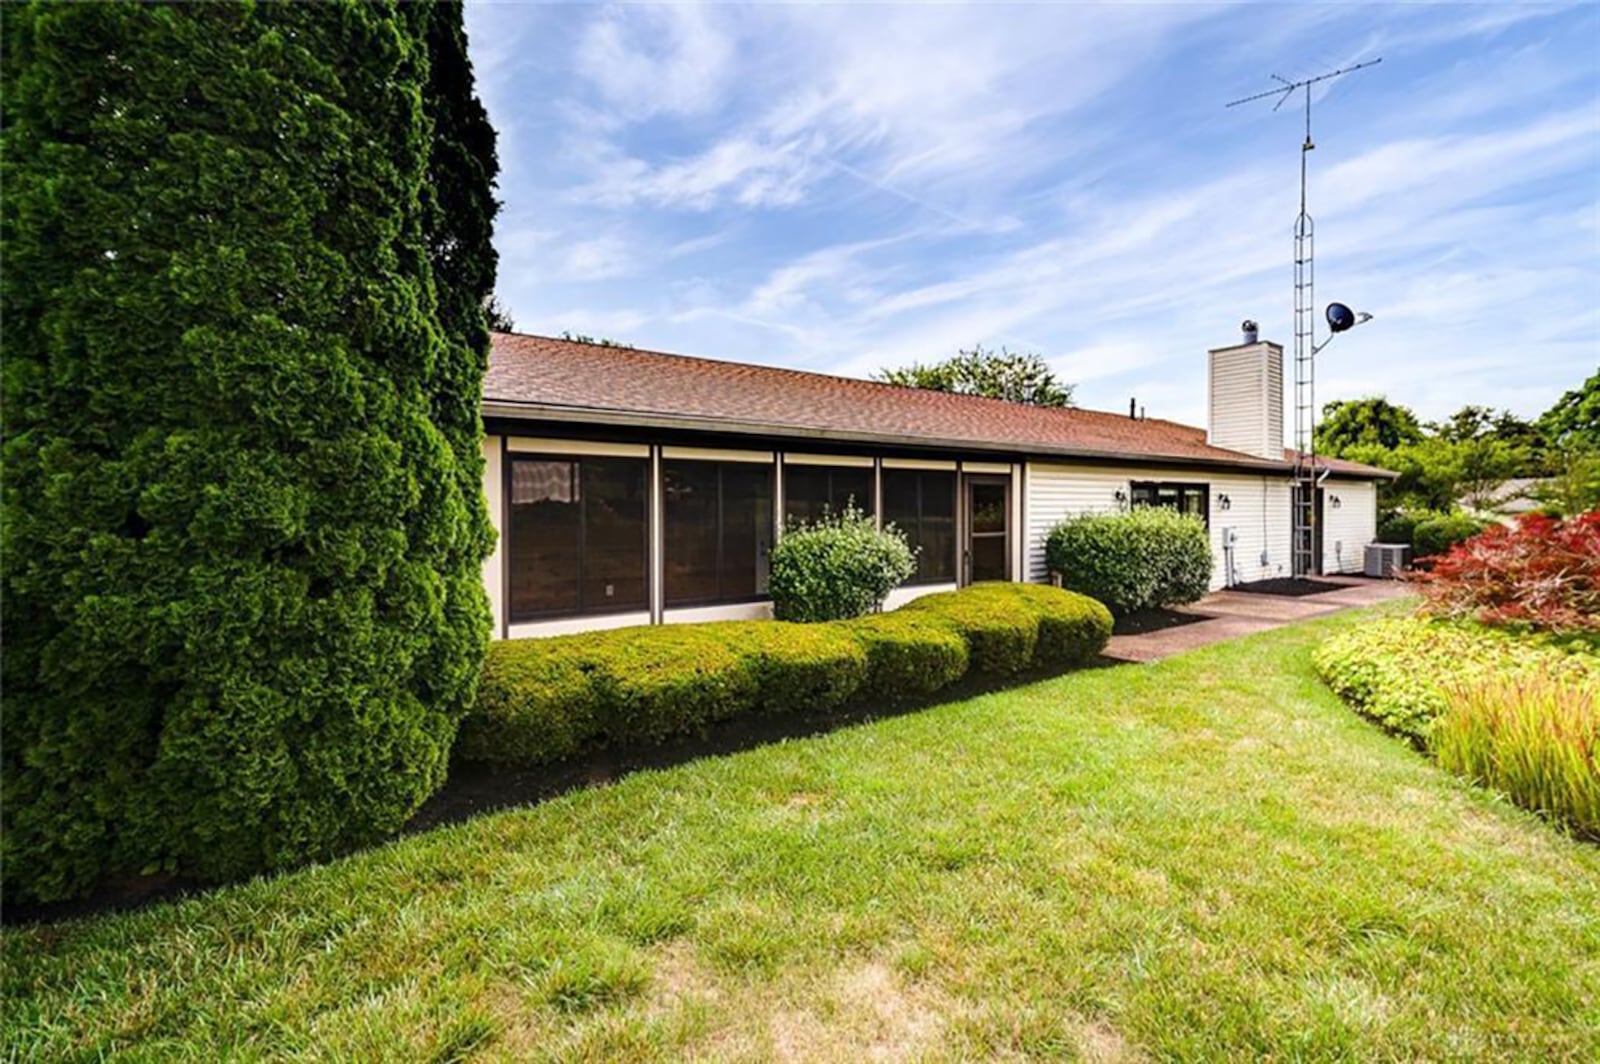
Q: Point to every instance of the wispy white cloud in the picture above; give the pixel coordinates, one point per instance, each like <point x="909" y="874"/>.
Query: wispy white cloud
<point x="647" y="60"/>
<point x="848" y="187"/>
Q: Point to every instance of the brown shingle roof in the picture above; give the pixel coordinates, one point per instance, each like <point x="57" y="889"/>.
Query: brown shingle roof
<point x="544" y="377"/>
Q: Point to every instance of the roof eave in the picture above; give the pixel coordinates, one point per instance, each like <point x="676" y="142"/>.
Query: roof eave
<point x="512" y="410"/>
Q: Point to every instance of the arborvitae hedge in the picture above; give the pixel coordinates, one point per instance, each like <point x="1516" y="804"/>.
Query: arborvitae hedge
<point x="245" y="251"/>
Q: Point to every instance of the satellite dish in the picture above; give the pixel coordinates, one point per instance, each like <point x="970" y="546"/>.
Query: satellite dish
<point x="1340" y="317"/>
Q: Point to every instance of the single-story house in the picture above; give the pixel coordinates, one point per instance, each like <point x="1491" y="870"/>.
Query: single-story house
<point x="634" y="487"/>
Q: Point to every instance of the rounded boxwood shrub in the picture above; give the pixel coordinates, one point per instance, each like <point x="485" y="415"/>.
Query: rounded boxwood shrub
<point x="799" y="668"/>
<point x="908" y="653"/>
<point x="246" y="250"/>
<point x="672" y="680"/>
<point x="1073" y="628"/>
<point x="1400" y="526"/>
<point x="1001" y="637"/>
<point x="839" y="566"/>
<point x="539" y="700"/>
<point x="1140" y="559"/>
<point x="1438" y="533"/>
<point x="544" y="699"/>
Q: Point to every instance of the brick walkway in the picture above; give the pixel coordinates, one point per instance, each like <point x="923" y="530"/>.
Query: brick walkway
<point x="1229" y="614"/>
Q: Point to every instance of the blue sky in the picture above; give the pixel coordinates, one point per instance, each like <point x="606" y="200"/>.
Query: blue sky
<point x="841" y="188"/>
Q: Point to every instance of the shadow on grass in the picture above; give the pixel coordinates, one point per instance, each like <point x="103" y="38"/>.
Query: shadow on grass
<point x="474" y="789"/>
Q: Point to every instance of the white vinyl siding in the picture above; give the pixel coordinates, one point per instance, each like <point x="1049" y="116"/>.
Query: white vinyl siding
<point x="494" y="564"/>
<point x="1258" y="512"/>
<point x="1245" y="399"/>
<point x="1348" y="527"/>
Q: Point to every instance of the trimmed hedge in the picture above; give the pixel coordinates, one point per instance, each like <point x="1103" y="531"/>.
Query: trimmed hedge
<point x="1009" y="627"/>
<point x="1143" y="558"/>
<point x="908" y="654"/>
<point x="798" y="667"/>
<point x="1000" y="636"/>
<point x="545" y="699"/>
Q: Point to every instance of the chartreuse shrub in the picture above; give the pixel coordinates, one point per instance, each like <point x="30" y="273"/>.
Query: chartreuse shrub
<point x="800" y="667"/>
<point x="1400" y="670"/>
<point x="1143" y="558"/>
<point x="246" y="249"/>
<point x="1535" y="738"/>
<point x="908" y="654"/>
<point x="839" y="566"/>
<point x="544" y="699"/>
<point x="1010" y="626"/>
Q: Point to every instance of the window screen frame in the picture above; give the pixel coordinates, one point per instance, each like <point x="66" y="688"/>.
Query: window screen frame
<point x="770" y="465"/>
<point x="515" y="616"/>
<point x="915" y="537"/>
<point x="867" y="505"/>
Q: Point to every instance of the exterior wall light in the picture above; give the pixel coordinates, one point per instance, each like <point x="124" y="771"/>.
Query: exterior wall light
<point x="1224" y="502"/>
<point x="1336" y="503"/>
<point x="1121" y="496"/>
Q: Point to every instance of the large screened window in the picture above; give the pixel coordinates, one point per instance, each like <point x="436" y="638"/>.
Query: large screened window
<point x="811" y="491"/>
<point x="579" y="536"/>
<point x="719" y="524"/>
<point x="1184" y="496"/>
<point x="922" y="504"/>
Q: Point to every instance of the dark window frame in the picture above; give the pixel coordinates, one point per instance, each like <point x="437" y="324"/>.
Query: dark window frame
<point x="513" y="616"/>
<point x="721" y="464"/>
<point x="915" y="535"/>
<point x="1155" y="487"/>
<point x="868" y="506"/>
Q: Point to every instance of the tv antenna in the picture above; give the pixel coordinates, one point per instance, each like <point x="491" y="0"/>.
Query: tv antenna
<point x="1303" y="551"/>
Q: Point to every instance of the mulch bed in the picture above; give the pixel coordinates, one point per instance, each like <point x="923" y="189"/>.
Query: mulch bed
<point x="1288" y="587"/>
<point x="1156" y="620"/>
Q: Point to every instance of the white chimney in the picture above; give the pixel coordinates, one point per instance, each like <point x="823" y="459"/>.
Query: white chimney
<point x="1245" y="401"/>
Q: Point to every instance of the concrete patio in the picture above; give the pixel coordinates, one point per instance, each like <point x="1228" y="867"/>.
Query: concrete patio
<point x="1227" y="614"/>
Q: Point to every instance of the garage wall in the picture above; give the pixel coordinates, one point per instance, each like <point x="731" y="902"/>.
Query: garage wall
<point x="1258" y="511"/>
<point x="1350" y="526"/>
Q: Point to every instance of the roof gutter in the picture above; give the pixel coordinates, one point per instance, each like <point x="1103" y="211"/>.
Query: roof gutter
<point x="530" y="411"/>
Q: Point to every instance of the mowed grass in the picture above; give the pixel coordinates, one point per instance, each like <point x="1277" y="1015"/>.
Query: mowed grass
<point x="1207" y="858"/>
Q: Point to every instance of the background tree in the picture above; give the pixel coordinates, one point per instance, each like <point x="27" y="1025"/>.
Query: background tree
<point x="1574" y="420"/>
<point x="247" y="252"/>
<point x="498" y="317"/>
<point x="1348" y="423"/>
<point x="1468" y="423"/>
<point x="1004" y="374"/>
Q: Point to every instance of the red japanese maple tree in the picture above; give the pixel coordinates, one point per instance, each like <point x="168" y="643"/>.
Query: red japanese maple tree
<point x="1543" y="572"/>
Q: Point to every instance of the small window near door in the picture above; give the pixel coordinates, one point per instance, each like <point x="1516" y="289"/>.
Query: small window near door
<point x="1184" y="496"/>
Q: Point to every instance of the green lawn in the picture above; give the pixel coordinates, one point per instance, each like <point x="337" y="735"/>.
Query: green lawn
<point x="1209" y="857"/>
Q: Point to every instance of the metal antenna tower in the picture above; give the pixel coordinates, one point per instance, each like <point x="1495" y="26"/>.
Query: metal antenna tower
<point x="1303" y="552"/>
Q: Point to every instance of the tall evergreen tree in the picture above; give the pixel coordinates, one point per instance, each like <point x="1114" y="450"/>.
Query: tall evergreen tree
<point x="246" y="254"/>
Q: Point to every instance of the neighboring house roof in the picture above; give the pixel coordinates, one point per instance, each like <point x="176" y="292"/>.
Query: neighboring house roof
<point x="1519" y="495"/>
<point x="543" y="377"/>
